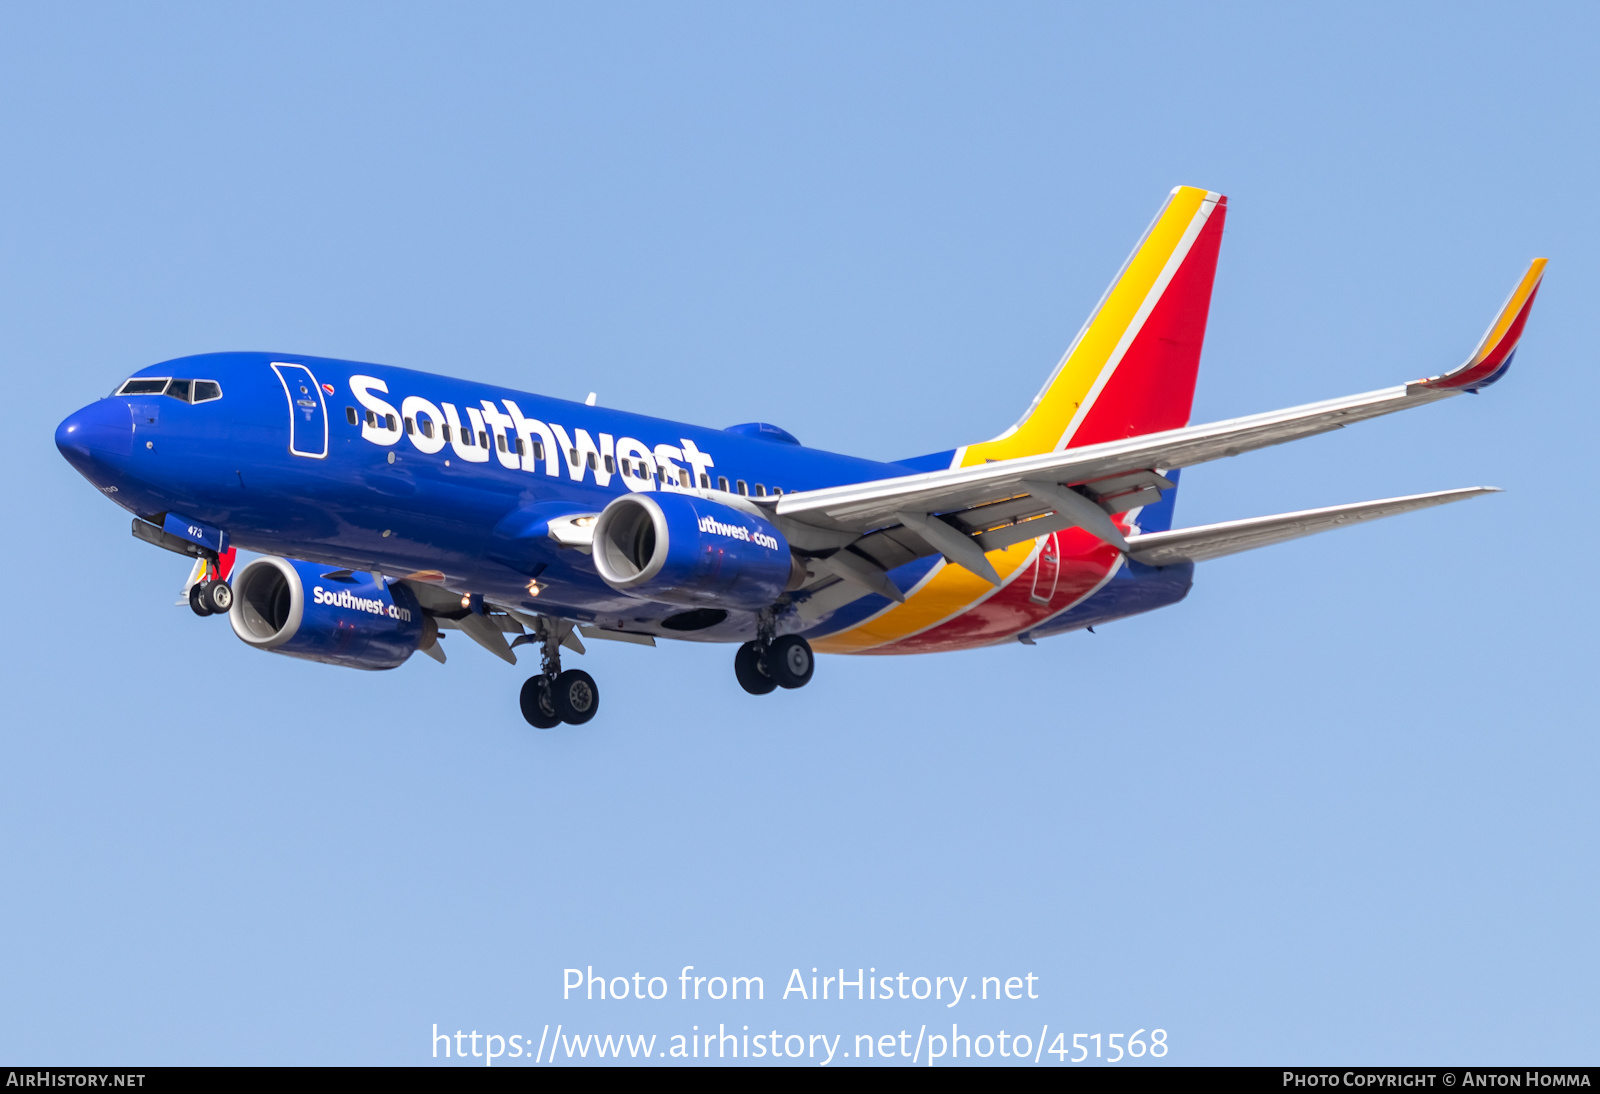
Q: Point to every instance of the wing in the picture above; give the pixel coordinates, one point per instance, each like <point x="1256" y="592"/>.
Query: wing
<point x="963" y="512"/>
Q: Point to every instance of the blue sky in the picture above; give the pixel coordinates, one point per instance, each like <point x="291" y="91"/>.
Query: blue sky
<point x="1338" y="806"/>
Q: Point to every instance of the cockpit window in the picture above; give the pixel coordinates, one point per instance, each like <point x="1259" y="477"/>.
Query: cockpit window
<point x="144" y="386"/>
<point x="186" y="391"/>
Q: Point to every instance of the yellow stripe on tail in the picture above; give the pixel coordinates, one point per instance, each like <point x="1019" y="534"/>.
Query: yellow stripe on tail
<point x="1130" y="370"/>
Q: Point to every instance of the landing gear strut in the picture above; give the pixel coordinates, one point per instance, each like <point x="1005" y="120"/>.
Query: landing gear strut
<point x="555" y="696"/>
<point x="769" y="663"/>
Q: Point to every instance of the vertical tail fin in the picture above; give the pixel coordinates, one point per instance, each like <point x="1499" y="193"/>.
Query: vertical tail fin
<point x="1131" y="370"/>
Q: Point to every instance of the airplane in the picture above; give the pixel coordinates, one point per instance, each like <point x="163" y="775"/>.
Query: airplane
<point x="392" y="508"/>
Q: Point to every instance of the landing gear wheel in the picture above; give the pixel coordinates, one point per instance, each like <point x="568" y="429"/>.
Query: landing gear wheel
<point x="750" y="666"/>
<point x="575" y="697"/>
<point x="217" y="595"/>
<point x="197" y="600"/>
<point x="537" y="706"/>
<point x="790" y="661"/>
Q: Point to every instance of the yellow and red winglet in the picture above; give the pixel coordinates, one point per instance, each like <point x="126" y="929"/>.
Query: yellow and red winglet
<point x="1493" y="355"/>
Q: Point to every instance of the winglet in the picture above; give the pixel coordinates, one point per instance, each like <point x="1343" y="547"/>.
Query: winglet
<point x="1493" y="356"/>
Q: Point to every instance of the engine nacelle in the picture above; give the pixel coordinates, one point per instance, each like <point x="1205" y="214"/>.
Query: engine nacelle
<point x="686" y="549"/>
<point x="287" y="606"/>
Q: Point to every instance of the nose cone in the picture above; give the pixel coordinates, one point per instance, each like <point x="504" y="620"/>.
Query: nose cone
<point x="97" y="438"/>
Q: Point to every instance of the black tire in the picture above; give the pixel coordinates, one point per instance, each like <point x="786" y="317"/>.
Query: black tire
<point x="575" y="696"/>
<point x="790" y="661"/>
<point x="537" y="706"/>
<point x="197" y="599"/>
<point x="218" y="596"/>
<point x="750" y="667"/>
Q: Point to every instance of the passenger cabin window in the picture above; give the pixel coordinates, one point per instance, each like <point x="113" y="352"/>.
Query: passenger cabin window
<point x="610" y="465"/>
<point x="520" y="450"/>
<point x="372" y="417"/>
<point x="388" y="422"/>
<point x="427" y="428"/>
<point x="590" y="460"/>
<point x="722" y="483"/>
<point x="705" y="481"/>
<point x="500" y="440"/>
<point x="761" y="491"/>
<point x="144" y="386"/>
<point x="483" y="439"/>
<point x="350" y="415"/>
<point x="743" y="489"/>
<point x="411" y="427"/>
<point x="538" y="450"/>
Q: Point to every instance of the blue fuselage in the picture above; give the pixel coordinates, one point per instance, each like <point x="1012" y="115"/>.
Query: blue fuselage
<point x="321" y="475"/>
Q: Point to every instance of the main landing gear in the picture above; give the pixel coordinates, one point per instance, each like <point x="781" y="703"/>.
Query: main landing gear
<point x="785" y="662"/>
<point x="554" y="696"/>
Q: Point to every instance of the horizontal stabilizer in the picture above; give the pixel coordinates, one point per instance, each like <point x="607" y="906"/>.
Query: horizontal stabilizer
<point x="1230" y="537"/>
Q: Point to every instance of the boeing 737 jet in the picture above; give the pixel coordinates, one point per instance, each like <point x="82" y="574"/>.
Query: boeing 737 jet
<point x="394" y="509"/>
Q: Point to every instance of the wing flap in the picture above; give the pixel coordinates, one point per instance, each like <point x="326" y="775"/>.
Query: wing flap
<point x="616" y="636"/>
<point x="1208" y="541"/>
<point x="485" y="632"/>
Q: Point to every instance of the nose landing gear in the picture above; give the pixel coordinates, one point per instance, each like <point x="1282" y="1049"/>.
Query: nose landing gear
<point x="211" y="595"/>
